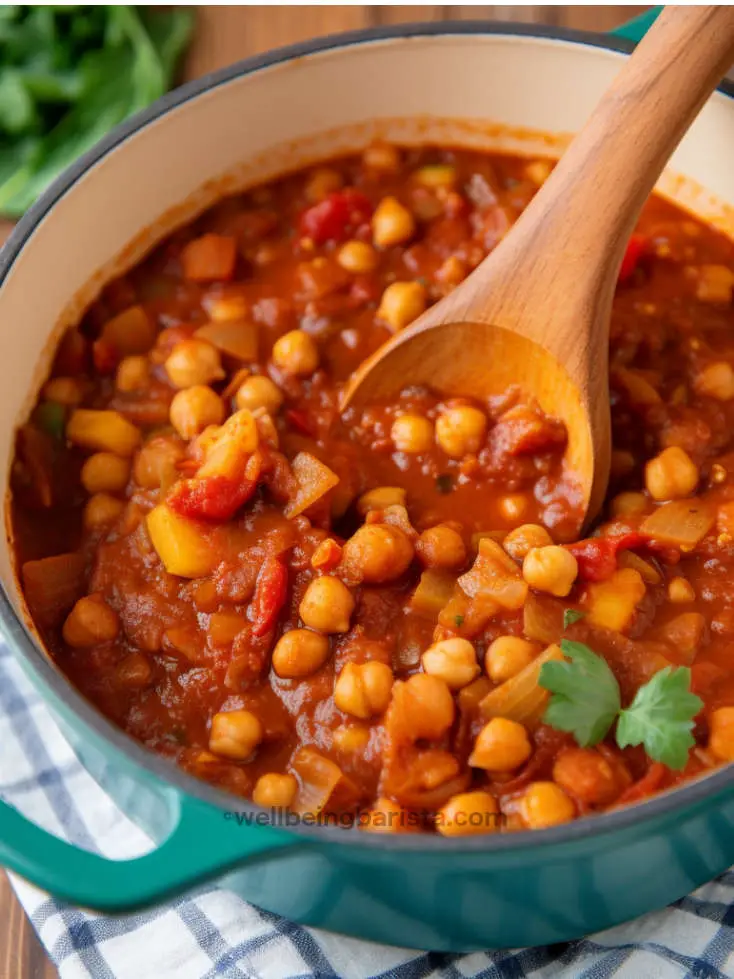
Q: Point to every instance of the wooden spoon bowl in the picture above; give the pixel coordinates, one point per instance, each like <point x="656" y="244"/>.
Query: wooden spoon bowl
<point x="536" y="312"/>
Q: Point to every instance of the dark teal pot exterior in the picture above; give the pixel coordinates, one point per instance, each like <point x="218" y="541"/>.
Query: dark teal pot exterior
<point x="425" y="892"/>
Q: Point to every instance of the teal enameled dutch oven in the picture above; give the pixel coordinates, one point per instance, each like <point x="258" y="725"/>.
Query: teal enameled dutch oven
<point x="412" y="83"/>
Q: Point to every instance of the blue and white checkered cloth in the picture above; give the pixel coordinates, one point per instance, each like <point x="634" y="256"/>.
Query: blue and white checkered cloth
<point x="212" y="932"/>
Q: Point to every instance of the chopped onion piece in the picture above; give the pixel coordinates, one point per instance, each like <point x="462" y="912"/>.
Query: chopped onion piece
<point x="318" y="777"/>
<point x="52" y="585"/>
<point x="313" y="480"/>
<point x="434" y="592"/>
<point x="495" y="576"/>
<point x="238" y="338"/>
<point x="520" y="698"/>
<point x="683" y="523"/>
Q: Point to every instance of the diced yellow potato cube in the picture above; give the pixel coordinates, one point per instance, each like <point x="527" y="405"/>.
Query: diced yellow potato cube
<point x="612" y="603"/>
<point x="230" y="446"/>
<point x="184" y="546"/>
<point x="103" y="431"/>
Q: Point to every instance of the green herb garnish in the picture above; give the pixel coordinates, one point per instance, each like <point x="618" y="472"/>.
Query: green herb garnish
<point x="444" y="483"/>
<point x="68" y="74"/>
<point x="586" y="698"/>
<point x="585" y="701"/>
<point x="661" y="717"/>
<point x="459" y="621"/>
<point x="50" y="417"/>
<point x="571" y="615"/>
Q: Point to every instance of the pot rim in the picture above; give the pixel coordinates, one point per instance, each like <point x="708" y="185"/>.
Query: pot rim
<point x="18" y="634"/>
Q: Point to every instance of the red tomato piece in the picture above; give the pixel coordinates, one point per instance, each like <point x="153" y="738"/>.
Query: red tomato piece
<point x="212" y="498"/>
<point x="105" y="356"/>
<point x="633" y="253"/>
<point x="300" y="421"/>
<point x="597" y="556"/>
<point x="337" y="217"/>
<point x="652" y="781"/>
<point x="269" y="598"/>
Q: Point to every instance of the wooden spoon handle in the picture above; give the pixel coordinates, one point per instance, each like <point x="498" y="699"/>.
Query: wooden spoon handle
<point x="580" y="221"/>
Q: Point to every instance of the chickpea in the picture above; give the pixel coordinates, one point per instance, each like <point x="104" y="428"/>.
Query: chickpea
<point x="721" y="733"/>
<point x="538" y="171"/>
<point x="386" y="816"/>
<point x="468" y="813"/>
<point x="67" y="391"/>
<point x="551" y="569"/>
<point x="193" y="409"/>
<point x="412" y="434"/>
<point x="258" y="391"/>
<point x="351" y="738"/>
<point x="363" y="689"/>
<point x="299" y="653"/>
<point x="235" y="734"/>
<point x="672" y="475"/>
<point x="101" y="511"/>
<point x="275" y="791"/>
<point x="436" y="175"/>
<point x="357" y="257"/>
<point x="392" y="224"/>
<point x="132" y="374"/>
<point x="583" y="772"/>
<point x="105" y="472"/>
<point x="91" y="621"/>
<point x="380" y="498"/>
<point x="453" y="660"/>
<point x="401" y="303"/>
<point x="441" y="547"/>
<point x="546" y="804"/>
<point x="514" y="506"/>
<point x="509" y="655"/>
<point x="524" y="538"/>
<point x="622" y="462"/>
<point x="461" y="430"/>
<point x="224" y="309"/>
<point x="296" y="353"/>
<point x="501" y="746"/>
<point x="680" y="591"/>
<point x="327" y="605"/>
<point x="193" y="362"/>
<point x="628" y="504"/>
<point x="382" y="156"/>
<point x="716" y="381"/>
<point x="429" y="706"/>
<point x="322" y="182"/>
<point x="378" y="553"/>
<point x="155" y="463"/>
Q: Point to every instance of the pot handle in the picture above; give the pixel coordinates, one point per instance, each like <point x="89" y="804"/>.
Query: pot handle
<point x="635" y="30"/>
<point x="204" y="842"/>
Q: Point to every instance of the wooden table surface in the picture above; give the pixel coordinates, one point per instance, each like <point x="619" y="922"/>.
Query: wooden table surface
<point x="225" y="34"/>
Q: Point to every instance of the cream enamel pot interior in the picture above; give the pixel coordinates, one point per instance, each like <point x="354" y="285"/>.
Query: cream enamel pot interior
<point x="467" y="84"/>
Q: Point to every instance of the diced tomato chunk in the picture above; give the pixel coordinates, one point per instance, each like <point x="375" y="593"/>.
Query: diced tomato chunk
<point x="211" y="498"/>
<point x="597" y="556"/>
<point x="633" y="253"/>
<point x="300" y="421"/>
<point x="337" y="217"/>
<point x="270" y="593"/>
<point x="105" y="356"/>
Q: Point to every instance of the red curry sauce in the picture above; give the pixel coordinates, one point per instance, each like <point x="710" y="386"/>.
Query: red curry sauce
<point x="176" y="519"/>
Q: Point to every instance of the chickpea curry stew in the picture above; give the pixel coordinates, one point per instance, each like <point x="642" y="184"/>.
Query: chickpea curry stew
<point x="384" y="617"/>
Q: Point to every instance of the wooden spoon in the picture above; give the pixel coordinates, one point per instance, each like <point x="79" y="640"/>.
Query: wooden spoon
<point x="536" y="312"/>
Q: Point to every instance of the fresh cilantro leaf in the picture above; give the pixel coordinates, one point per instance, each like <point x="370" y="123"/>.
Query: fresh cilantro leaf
<point x="585" y="694"/>
<point x="661" y="717"/>
<point x="571" y="615"/>
<point x="459" y="621"/>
